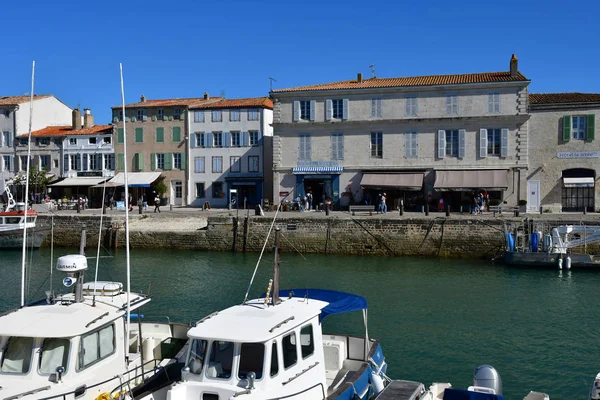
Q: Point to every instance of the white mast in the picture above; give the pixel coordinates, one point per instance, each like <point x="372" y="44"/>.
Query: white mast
<point x="24" y="255"/>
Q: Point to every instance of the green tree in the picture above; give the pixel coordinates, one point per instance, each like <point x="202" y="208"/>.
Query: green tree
<point x="38" y="180"/>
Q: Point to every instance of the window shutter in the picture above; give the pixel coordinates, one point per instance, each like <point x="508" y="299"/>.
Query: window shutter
<point x="120" y="161"/>
<point x="448" y="105"/>
<point x="183" y="165"/>
<point x="226" y="139"/>
<point x="504" y="142"/>
<point x="407" y="144"/>
<point x="328" y="109"/>
<point x="140" y="161"/>
<point x="415" y="145"/>
<point x="152" y="161"/>
<point x="313" y="109"/>
<point x="177" y="133"/>
<point x="245" y="139"/>
<point x="341" y="146"/>
<point x="99" y="162"/>
<point x="590" y="127"/>
<point x="66" y="163"/>
<point x="78" y="162"/>
<point x="379" y="107"/>
<point x="566" y="128"/>
<point x="345" y="113"/>
<point x="373" y="107"/>
<point x="483" y="145"/>
<point x="301" y="155"/>
<point x="296" y="111"/>
<point x="308" y="148"/>
<point x="120" y="135"/>
<point x="208" y="139"/>
<point x="461" y="143"/>
<point x="168" y="161"/>
<point x="85" y="161"/>
<point x="441" y="144"/>
<point x="260" y="138"/>
<point x="192" y="140"/>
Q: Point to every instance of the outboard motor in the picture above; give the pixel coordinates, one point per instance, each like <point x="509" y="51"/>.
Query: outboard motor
<point x="74" y="265"/>
<point x="486" y="376"/>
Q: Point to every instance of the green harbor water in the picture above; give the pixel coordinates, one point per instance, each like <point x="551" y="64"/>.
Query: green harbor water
<point x="437" y="319"/>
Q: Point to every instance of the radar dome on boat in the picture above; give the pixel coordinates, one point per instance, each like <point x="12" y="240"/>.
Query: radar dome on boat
<point x="71" y="263"/>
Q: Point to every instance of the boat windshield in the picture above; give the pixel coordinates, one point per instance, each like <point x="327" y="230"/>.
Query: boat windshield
<point x="54" y="354"/>
<point x="16" y="355"/>
<point x="12" y="220"/>
<point x="221" y="360"/>
<point x="252" y="359"/>
<point x="196" y="357"/>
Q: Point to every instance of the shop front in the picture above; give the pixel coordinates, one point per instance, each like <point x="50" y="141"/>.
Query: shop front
<point x="248" y="190"/>
<point x="578" y="189"/>
<point x="404" y="188"/>
<point x="457" y="188"/>
<point x="72" y="189"/>
<point x="321" y="179"/>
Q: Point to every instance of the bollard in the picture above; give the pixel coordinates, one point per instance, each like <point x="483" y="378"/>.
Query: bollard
<point x="461" y="210"/>
<point x="78" y="206"/>
<point x="516" y="212"/>
<point x="584" y="210"/>
<point x="422" y="209"/>
<point x="326" y="209"/>
<point x="170" y="207"/>
<point x="541" y="210"/>
<point x="426" y="209"/>
<point x="141" y="208"/>
<point x="401" y="210"/>
<point x="447" y="210"/>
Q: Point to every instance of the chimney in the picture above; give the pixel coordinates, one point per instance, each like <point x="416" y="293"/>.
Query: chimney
<point x="76" y="118"/>
<point x="143" y="98"/>
<point x="514" y="66"/>
<point x="206" y="96"/>
<point x="88" y="118"/>
<point x="359" y="78"/>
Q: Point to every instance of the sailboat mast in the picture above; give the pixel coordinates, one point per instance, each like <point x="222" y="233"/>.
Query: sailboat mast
<point x="276" y="269"/>
<point x="24" y="255"/>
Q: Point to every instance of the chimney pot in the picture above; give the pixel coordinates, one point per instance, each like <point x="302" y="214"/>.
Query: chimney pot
<point x="206" y="96"/>
<point x="76" y="120"/>
<point x="359" y="78"/>
<point x="88" y="118"/>
<point x="143" y="98"/>
<point x="514" y="66"/>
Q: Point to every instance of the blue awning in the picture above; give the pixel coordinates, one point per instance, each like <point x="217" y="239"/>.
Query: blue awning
<point x="339" y="302"/>
<point x="318" y="170"/>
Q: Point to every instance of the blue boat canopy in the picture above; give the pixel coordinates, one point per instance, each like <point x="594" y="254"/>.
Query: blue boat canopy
<point x="339" y="302"/>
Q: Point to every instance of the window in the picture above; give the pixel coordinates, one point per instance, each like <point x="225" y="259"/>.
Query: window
<point x="305" y="110"/>
<point x="121" y="115"/>
<point x="16" y="355"/>
<point x="199" y="139"/>
<point x="235" y="139"/>
<point x="160" y="114"/>
<point x="176" y="134"/>
<point x="376" y="144"/>
<point x="199" y="165"/>
<point x="253" y="135"/>
<point x="198" y="116"/>
<point x="107" y="140"/>
<point x="216" y="116"/>
<point x="177" y="161"/>
<point x="195" y="360"/>
<point x="96" y="346"/>
<point x="221" y="360"/>
<point x="253" y="114"/>
<point x="217" y="139"/>
<point x="493" y="141"/>
<point x="94" y="161"/>
<point x="109" y="162"/>
<point x="376" y="107"/>
<point x="274" y="360"/>
<point x="45" y="163"/>
<point x="160" y="135"/>
<point x="452" y="104"/>
<point x="217" y="164"/>
<point x="253" y="164"/>
<point x="160" y="160"/>
<point x="290" y="355"/>
<point x="494" y="103"/>
<point x="217" y="189"/>
<point x="54" y="353"/>
<point x="23" y="163"/>
<point x="46" y="141"/>
<point x="337" y="108"/>
<point x="578" y="131"/>
<point x="74" y="162"/>
<point x="6" y="163"/>
<point x="337" y="146"/>
<point x="234" y="115"/>
<point x="177" y="113"/>
<point x="73" y="141"/>
<point x="411" y="147"/>
<point x="139" y="135"/>
<point x="234" y="164"/>
<point x="412" y="105"/>
<point x="304" y="148"/>
<point x="6" y="139"/>
<point x="141" y="115"/>
<point x="200" y="189"/>
<point x="307" y="345"/>
<point x="6" y="113"/>
<point x="252" y="358"/>
<point x="452" y="143"/>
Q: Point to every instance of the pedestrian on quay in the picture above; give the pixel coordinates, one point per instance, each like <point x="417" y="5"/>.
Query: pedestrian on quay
<point x="157" y="204"/>
<point x="310" y="200"/>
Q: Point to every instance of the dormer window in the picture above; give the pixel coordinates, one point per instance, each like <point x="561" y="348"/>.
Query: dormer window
<point x="73" y="141"/>
<point x="92" y="140"/>
<point x="160" y="114"/>
<point x="177" y="113"/>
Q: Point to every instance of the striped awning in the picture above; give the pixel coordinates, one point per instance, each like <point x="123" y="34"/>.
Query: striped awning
<point x="318" y="170"/>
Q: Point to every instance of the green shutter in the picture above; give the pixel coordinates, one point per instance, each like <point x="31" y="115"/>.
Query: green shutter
<point x="139" y="135"/>
<point x="120" y="161"/>
<point x="139" y="159"/>
<point x="177" y="134"/>
<point x="168" y="161"/>
<point x="153" y="161"/>
<point x="120" y="135"/>
<point x="160" y="135"/>
<point x="183" y="165"/>
<point x="566" y="128"/>
<point x="591" y="127"/>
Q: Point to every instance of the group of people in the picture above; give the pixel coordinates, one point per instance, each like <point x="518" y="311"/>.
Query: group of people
<point x="480" y="202"/>
<point x="305" y="203"/>
<point x="109" y="201"/>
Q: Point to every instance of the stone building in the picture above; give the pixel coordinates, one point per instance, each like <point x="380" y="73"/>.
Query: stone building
<point x="419" y="139"/>
<point x="564" y="156"/>
<point x="230" y="149"/>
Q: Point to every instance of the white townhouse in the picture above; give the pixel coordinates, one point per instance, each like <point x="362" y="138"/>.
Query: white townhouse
<point x="230" y="149"/>
<point x="14" y="121"/>
<point x="418" y="139"/>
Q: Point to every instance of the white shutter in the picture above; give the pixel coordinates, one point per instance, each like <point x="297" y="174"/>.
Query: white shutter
<point x="308" y="148"/>
<point x="296" y="111"/>
<point x="373" y="108"/>
<point x="301" y="155"/>
<point x="461" y="143"/>
<point x="328" y="109"/>
<point x="313" y="108"/>
<point x="483" y="145"/>
<point x="407" y="144"/>
<point x="341" y="146"/>
<point x="504" y="143"/>
<point x="415" y="145"/>
<point x="379" y="107"/>
<point x="345" y="113"/>
<point x="334" y="146"/>
<point x="441" y="144"/>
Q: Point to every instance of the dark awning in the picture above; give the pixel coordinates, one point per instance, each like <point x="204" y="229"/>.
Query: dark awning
<point x="398" y="180"/>
<point x="494" y="179"/>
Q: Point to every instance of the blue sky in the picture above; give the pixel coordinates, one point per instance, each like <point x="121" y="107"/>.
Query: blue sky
<point x="184" y="48"/>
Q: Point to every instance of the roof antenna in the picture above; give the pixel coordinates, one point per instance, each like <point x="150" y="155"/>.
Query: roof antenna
<point x="223" y="93"/>
<point x="271" y="80"/>
<point x="372" y="66"/>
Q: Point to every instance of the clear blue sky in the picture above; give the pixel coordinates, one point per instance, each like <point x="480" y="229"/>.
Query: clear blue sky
<point x="184" y="48"/>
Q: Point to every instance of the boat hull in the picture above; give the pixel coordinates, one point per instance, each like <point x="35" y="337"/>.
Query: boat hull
<point x="550" y="260"/>
<point x="13" y="238"/>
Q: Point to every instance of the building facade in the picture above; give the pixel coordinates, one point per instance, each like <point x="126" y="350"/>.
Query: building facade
<point x="419" y="139"/>
<point x="565" y="155"/>
<point x="230" y="152"/>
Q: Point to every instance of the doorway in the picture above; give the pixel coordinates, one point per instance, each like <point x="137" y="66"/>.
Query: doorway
<point x="177" y="190"/>
<point x="533" y="196"/>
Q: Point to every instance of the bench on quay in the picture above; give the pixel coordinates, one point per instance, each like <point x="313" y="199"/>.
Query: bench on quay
<point x="362" y="208"/>
<point x="499" y="209"/>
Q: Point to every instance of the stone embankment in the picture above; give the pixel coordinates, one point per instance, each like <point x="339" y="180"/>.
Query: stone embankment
<point x="456" y="237"/>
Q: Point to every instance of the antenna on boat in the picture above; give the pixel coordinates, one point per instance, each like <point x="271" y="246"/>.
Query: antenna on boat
<point x="27" y="188"/>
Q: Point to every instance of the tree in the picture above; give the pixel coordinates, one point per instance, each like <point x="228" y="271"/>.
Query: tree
<point x="38" y="180"/>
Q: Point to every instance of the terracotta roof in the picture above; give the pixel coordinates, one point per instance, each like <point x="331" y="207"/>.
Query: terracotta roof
<point x="431" y="80"/>
<point x="14" y="100"/>
<point x="563" y="98"/>
<point x="169" y="102"/>
<point x="68" y="130"/>
<point x="262" y="102"/>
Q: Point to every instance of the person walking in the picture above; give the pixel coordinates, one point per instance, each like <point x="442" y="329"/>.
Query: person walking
<point x="157" y="204"/>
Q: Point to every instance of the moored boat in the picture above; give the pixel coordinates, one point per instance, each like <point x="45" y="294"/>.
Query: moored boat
<point x="11" y="229"/>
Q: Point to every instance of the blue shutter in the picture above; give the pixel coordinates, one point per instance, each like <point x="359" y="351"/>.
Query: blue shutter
<point x="308" y="147"/>
<point x="340" y="146"/>
<point x="441" y="143"/>
<point x="346" y="109"/>
<point x="328" y="109"/>
<point x="85" y="161"/>
<point x="78" y="162"/>
<point x="208" y="139"/>
<point x="260" y="138"/>
<point x="313" y="109"/>
<point x="245" y="140"/>
<point x="483" y="143"/>
<point x="99" y="162"/>
<point x="504" y="142"/>
<point x="296" y="111"/>
<point x="407" y="144"/>
<point x="66" y="163"/>
<point x="192" y="140"/>
<point x="226" y="139"/>
<point x="461" y="143"/>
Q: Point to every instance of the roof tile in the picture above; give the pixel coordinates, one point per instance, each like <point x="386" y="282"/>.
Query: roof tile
<point x="184" y="102"/>
<point x="14" y="100"/>
<point x="563" y="98"/>
<point x="68" y="130"/>
<point x="264" y="102"/>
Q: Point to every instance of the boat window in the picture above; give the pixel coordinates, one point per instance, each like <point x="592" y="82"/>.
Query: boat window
<point x="288" y="347"/>
<point x="31" y="220"/>
<point x="221" y="360"/>
<point x="197" y="354"/>
<point x="274" y="360"/>
<point x="12" y="220"/>
<point x="252" y="359"/>
<point x="54" y="354"/>
<point x="306" y="341"/>
<point x="96" y="346"/>
<point x="16" y="356"/>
